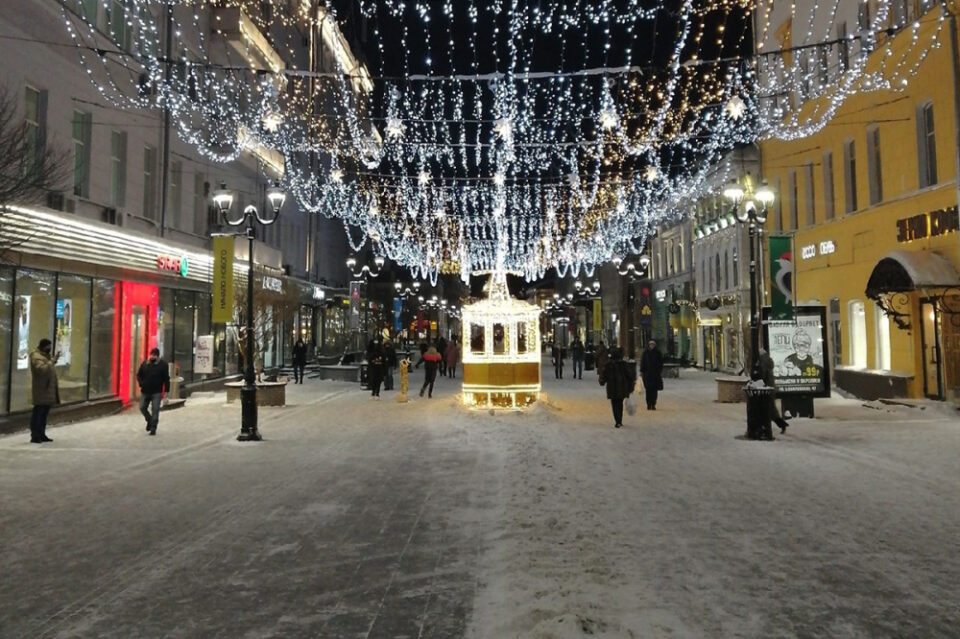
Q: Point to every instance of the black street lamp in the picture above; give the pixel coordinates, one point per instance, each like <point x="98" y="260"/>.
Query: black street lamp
<point x="750" y="207"/>
<point x="585" y="292"/>
<point x="633" y="273"/>
<point x="364" y="274"/>
<point x="223" y="199"/>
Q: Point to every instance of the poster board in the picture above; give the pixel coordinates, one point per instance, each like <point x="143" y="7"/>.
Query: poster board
<point x="203" y="355"/>
<point x="799" y="350"/>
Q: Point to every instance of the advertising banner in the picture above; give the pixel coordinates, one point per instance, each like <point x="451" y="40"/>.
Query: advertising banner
<point x="222" y="311"/>
<point x="781" y="277"/>
<point x="64" y="313"/>
<point x="597" y="316"/>
<point x="354" y="305"/>
<point x="798" y="348"/>
<point x="203" y="355"/>
<point x="397" y="312"/>
<point x="23" y="333"/>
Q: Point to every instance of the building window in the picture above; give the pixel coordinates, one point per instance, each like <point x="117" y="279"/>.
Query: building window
<point x="200" y="206"/>
<point x="858" y="334"/>
<point x="843" y="48"/>
<point x="836" y="332"/>
<point x="35" y="121"/>
<point x="117" y="23"/>
<point x="118" y="169"/>
<point x="176" y="194"/>
<point x="874" y="166"/>
<point x="672" y="268"/>
<point x="810" y="195"/>
<point x="736" y="267"/>
<point x="679" y="257"/>
<point x="927" y="145"/>
<point x="794" y="206"/>
<point x="717" y="285"/>
<point x="81" y="154"/>
<point x="726" y="269"/>
<point x="149" y="182"/>
<point x="778" y="212"/>
<point x="88" y="9"/>
<point x="882" y="339"/>
<point x="866" y="30"/>
<point x="850" y="174"/>
<point x="828" y="185"/>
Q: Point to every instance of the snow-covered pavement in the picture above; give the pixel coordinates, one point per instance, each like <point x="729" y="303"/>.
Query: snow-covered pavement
<point x="358" y="518"/>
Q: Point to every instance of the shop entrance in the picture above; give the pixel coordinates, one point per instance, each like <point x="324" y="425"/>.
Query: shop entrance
<point x="931" y="338"/>
<point x="138" y="334"/>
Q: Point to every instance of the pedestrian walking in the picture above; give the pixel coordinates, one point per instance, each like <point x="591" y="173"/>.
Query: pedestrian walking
<point x="389" y="363"/>
<point x="299" y="361"/>
<point x="619" y="379"/>
<point x="557" y="354"/>
<point x="576" y="353"/>
<point x="602" y="357"/>
<point x="375" y="367"/>
<point x="766" y="367"/>
<point x="452" y="356"/>
<point x="154" y="379"/>
<point x="431" y="360"/>
<point x="44" y="389"/>
<point x="442" y="349"/>
<point x="651" y="369"/>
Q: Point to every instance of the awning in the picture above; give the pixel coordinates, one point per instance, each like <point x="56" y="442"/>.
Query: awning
<point x="903" y="271"/>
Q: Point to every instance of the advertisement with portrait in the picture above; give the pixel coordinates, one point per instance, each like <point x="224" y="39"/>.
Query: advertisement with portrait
<point x="798" y="348"/>
<point x="23" y="332"/>
<point x="64" y="313"/>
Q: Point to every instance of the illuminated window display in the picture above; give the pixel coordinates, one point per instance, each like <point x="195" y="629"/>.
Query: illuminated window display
<point x="499" y="371"/>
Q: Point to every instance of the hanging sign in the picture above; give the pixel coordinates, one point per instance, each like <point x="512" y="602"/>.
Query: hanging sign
<point x="222" y="311"/>
<point x="397" y="312"/>
<point x="354" y="305"/>
<point x="781" y="278"/>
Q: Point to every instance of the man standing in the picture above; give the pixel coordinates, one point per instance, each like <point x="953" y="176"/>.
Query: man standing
<point x="576" y="350"/>
<point x="557" y="354"/>
<point x="651" y="369"/>
<point x="299" y="361"/>
<point x="154" y="379"/>
<point x="44" y="389"/>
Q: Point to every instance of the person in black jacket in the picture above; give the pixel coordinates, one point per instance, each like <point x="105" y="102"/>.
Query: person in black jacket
<point x="154" y="380"/>
<point x="389" y="364"/>
<point x="299" y="361"/>
<point x="619" y="379"/>
<point x="576" y="351"/>
<point x="651" y="368"/>
<point x="557" y="353"/>
<point x="375" y="367"/>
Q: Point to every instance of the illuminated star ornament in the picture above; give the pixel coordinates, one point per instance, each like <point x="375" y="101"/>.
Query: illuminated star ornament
<point x="538" y="161"/>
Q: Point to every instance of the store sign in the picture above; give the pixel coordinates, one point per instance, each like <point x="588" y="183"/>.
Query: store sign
<point x="932" y="224"/>
<point x="173" y="264"/>
<point x="203" y="355"/>
<point x="809" y="251"/>
<point x="318" y="293"/>
<point x="272" y="284"/>
<point x="827" y="247"/>
<point x="661" y="296"/>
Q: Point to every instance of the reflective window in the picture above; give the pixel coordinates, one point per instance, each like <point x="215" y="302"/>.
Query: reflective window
<point x="33" y="321"/>
<point x="6" y="302"/>
<point x="183" y="334"/>
<point x="103" y="345"/>
<point x="521" y="337"/>
<point x="858" y="334"/>
<point x="73" y="327"/>
<point x="477" y="339"/>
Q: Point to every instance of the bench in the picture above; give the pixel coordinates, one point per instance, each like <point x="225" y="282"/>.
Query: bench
<point x="348" y="373"/>
<point x="268" y="393"/>
<point x="730" y="389"/>
<point x="671" y="370"/>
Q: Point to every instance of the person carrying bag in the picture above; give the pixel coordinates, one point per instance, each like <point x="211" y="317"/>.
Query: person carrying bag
<point x="619" y="379"/>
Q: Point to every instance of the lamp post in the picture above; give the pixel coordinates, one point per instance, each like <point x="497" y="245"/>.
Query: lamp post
<point x="588" y="292"/>
<point x="633" y="273"/>
<point x="364" y="274"/>
<point x="223" y="200"/>
<point x="749" y="206"/>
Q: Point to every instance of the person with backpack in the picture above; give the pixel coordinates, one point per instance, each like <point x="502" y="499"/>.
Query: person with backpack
<point x="619" y="378"/>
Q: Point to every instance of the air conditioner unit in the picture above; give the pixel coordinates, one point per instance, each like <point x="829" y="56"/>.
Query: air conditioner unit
<point x="55" y="200"/>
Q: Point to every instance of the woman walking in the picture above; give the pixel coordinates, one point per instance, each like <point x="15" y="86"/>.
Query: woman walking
<point x="431" y="360"/>
<point x="452" y="355"/>
<point x="619" y="379"/>
<point x="651" y="368"/>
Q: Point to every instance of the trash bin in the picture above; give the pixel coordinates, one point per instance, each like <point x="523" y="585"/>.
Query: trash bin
<point x="759" y="404"/>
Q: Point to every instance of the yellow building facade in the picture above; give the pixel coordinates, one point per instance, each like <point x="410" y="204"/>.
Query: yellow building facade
<point x="871" y="203"/>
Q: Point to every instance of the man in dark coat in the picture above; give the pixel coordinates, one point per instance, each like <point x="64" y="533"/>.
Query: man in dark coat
<point x="154" y="379"/>
<point x="576" y="351"/>
<point x="442" y="349"/>
<point x="619" y="379"/>
<point x="45" y="391"/>
<point x="766" y="366"/>
<point x="389" y="364"/>
<point x="557" y="354"/>
<point x="375" y="367"/>
<point x="651" y="368"/>
<point x="299" y="361"/>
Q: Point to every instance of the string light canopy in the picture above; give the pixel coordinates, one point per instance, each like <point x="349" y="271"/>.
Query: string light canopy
<point x="503" y="135"/>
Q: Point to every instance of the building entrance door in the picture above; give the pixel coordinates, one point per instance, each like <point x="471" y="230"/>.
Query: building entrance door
<point x="931" y="338"/>
<point x="138" y="334"/>
<point x="138" y="346"/>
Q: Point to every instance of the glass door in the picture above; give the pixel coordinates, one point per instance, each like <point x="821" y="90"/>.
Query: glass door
<point x="930" y="335"/>
<point x="138" y="346"/>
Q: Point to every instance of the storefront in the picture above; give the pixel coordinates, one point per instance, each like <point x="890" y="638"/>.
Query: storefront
<point x="104" y="297"/>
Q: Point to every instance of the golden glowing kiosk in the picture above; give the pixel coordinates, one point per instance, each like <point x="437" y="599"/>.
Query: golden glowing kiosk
<point x="501" y="350"/>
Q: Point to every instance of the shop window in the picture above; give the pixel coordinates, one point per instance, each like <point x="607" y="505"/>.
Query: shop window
<point x="165" y="315"/>
<point x="72" y="331"/>
<point x="926" y="145"/>
<point x="858" y="334"/>
<point x="828" y="210"/>
<point x="183" y="335"/>
<point x="33" y="321"/>
<point x="499" y="339"/>
<point x="836" y="332"/>
<point x="521" y="338"/>
<point x="882" y="339"/>
<point x="103" y="335"/>
<point x="6" y="312"/>
<point x="874" y="165"/>
<point x="850" y="175"/>
<point x="477" y="339"/>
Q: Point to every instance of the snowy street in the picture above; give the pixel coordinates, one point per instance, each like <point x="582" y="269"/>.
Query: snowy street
<point x="359" y="518"/>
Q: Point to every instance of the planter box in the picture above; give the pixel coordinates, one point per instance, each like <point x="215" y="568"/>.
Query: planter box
<point x="268" y="393"/>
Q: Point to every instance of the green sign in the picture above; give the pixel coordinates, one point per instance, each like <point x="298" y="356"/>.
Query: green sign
<point x="781" y="277"/>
